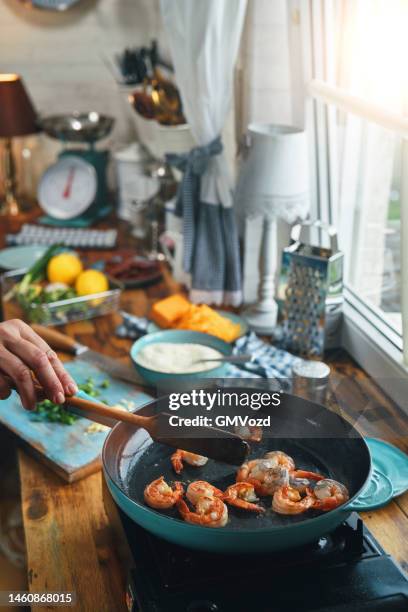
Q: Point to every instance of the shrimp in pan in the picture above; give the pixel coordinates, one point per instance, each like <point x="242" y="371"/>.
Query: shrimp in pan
<point x="280" y="459"/>
<point x="242" y="495"/>
<point x="201" y="488"/>
<point x="179" y="456"/>
<point x="329" y="494"/>
<point x="264" y="477"/>
<point x="288" y="500"/>
<point x="208" y="512"/>
<point x="159" y="495"/>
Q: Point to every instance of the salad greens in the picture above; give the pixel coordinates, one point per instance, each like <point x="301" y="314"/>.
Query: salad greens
<point x="37" y="270"/>
<point x="46" y="410"/>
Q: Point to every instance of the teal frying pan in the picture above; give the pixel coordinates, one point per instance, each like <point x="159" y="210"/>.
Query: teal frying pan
<point x="131" y="460"/>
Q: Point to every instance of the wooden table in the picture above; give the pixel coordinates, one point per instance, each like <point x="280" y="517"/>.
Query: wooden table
<point x="70" y="542"/>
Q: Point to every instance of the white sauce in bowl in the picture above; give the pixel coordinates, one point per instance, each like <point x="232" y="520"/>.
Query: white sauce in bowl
<point x="173" y="358"/>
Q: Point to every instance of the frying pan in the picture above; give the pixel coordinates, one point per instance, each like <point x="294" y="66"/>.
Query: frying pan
<point x="318" y="440"/>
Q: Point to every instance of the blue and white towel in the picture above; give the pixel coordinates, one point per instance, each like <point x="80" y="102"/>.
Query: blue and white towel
<point x="268" y="362"/>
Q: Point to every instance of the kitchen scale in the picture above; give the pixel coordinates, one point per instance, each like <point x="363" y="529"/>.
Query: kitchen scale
<point x="73" y="191"/>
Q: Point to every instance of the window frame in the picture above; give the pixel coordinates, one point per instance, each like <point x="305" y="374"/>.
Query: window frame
<point x="366" y="335"/>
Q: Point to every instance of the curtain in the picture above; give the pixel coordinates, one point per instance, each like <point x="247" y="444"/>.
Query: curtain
<point x="204" y="40"/>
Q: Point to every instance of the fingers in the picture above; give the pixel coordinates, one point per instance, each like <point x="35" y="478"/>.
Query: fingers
<point x="68" y="384"/>
<point x="21" y="375"/>
<point x="37" y="360"/>
<point x="5" y="389"/>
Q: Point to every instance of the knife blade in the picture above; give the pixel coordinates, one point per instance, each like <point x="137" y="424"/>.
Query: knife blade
<point x="61" y="342"/>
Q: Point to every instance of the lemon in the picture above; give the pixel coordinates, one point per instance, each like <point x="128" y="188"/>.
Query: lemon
<point x="91" y="281"/>
<point x="64" y="268"/>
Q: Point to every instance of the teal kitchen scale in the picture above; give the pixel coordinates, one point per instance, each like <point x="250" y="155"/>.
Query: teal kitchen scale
<point x="73" y="191"/>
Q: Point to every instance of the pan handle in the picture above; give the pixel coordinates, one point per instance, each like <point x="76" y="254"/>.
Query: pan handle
<point x="378" y="492"/>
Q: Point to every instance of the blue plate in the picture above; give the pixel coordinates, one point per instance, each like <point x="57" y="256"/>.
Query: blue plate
<point x="17" y="257"/>
<point x="391" y="462"/>
<point x="152" y="327"/>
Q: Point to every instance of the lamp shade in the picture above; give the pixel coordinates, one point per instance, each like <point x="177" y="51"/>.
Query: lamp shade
<point x="17" y="114"/>
<point x="274" y="174"/>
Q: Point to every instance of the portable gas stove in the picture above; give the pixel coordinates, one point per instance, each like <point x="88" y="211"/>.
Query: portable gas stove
<point x="346" y="571"/>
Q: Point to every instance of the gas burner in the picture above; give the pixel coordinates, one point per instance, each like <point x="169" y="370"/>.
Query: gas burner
<point x="345" y="571"/>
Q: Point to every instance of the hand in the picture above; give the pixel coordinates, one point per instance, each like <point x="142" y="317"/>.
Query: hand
<point x="23" y="351"/>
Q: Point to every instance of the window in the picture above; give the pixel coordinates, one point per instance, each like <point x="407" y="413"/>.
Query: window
<point x="354" y="55"/>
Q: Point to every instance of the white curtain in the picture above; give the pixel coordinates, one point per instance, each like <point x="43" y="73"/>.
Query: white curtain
<point x="204" y="38"/>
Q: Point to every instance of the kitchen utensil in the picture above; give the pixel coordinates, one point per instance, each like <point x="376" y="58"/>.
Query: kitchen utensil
<point x="66" y="196"/>
<point x="317" y="438"/>
<point x="217" y="444"/>
<point x="72" y="451"/>
<point x="310" y="292"/>
<point x="67" y="188"/>
<point x="61" y="342"/>
<point x="179" y="336"/>
<point x="152" y="327"/>
<point x="229" y="359"/>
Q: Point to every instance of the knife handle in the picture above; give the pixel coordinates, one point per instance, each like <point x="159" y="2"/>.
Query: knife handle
<point x="56" y="340"/>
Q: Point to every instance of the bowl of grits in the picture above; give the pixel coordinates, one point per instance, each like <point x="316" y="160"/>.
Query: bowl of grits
<point x="174" y="355"/>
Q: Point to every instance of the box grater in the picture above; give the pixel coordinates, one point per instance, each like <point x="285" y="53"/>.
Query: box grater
<point x="310" y="293"/>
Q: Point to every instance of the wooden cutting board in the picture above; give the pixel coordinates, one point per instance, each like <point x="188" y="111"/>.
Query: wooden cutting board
<point x="70" y="450"/>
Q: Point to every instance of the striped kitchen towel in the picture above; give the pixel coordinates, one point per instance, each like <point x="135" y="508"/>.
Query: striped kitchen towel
<point x="268" y="362"/>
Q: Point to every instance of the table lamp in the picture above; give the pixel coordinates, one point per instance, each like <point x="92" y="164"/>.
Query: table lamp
<point x="273" y="182"/>
<point x="17" y="118"/>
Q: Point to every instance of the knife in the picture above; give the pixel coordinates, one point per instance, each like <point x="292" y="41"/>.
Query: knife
<point x="61" y="342"/>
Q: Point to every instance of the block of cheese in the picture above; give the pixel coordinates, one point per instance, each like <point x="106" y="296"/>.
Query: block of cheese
<point x="204" y="319"/>
<point x="166" y="312"/>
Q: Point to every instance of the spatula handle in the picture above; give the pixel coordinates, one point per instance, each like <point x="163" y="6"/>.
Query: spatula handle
<point x="110" y="411"/>
<point x="56" y="340"/>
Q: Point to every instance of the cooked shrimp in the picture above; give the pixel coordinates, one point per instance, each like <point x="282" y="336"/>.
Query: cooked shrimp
<point x="300" y="484"/>
<point x="306" y="474"/>
<point x="191" y="458"/>
<point x="288" y="500"/>
<point x="159" y="495"/>
<point x="265" y="477"/>
<point x="280" y="459"/>
<point x="253" y="433"/>
<point x="208" y="512"/>
<point x="201" y="488"/>
<point x="329" y="494"/>
<point x="242" y="495"/>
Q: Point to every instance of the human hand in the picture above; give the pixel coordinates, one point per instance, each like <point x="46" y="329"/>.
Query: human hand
<point x="23" y="351"/>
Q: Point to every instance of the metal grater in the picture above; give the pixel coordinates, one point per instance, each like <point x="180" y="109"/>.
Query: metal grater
<point x="310" y="293"/>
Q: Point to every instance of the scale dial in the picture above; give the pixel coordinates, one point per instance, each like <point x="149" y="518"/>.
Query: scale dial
<point x="67" y="188"/>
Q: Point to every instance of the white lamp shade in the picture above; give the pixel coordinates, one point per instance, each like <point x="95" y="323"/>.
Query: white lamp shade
<point x="274" y="174"/>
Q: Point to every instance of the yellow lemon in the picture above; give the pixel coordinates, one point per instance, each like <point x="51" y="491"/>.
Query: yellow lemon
<point x="64" y="268"/>
<point x="91" y="281"/>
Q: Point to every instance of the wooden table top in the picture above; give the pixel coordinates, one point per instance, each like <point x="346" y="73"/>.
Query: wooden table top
<point x="71" y="545"/>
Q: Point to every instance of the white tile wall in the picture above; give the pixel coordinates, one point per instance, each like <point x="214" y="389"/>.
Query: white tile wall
<point x="62" y="58"/>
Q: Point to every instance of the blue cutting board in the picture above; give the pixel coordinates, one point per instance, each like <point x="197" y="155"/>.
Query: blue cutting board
<point x="69" y="449"/>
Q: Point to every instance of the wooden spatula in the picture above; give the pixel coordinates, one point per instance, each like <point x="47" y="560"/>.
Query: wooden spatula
<point x="211" y="442"/>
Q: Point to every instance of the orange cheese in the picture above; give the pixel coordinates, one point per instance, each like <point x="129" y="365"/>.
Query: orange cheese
<point x="166" y="312"/>
<point x="204" y="319"/>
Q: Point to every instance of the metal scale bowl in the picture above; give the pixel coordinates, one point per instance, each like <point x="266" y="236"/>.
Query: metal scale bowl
<point x="73" y="191"/>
